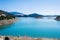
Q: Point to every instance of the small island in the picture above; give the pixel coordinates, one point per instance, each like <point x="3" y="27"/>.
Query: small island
<point x="6" y="18"/>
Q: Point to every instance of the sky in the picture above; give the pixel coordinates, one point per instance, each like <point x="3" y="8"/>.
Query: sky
<point x="44" y="7"/>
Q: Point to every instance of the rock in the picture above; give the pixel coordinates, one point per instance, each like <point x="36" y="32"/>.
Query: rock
<point x="6" y="18"/>
<point x="57" y="18"/>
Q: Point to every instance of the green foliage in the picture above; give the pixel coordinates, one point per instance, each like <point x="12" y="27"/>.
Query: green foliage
<point x="8" y="16"/>
<point x="2" y="18"/>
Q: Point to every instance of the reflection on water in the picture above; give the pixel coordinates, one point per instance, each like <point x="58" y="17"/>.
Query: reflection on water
<point x="5" y="26"/>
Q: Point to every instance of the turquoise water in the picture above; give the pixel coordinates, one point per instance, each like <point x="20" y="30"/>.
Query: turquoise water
<point x="32" y="27"/>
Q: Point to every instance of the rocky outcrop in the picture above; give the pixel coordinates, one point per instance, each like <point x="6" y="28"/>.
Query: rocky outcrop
<point x="6" y="18"/>
<point x="57" y="18"/>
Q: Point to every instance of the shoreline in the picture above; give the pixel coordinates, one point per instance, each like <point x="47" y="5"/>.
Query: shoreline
<point x="6" y="22"/>
<point x="26" y="38"/>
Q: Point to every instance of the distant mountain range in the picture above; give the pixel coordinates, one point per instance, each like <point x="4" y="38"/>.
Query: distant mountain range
<point x="10" y="15"/>
<point x="17" y="14"/>
<point x="35" y="15"/>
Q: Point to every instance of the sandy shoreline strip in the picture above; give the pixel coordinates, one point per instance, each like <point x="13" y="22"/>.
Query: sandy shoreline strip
<point x="26" y="38"/>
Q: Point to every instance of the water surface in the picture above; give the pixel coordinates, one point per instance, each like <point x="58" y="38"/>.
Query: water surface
<point x="32" y="27"/>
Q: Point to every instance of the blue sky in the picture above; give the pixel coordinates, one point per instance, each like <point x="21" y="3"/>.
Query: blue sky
<point x="45" y="7"/>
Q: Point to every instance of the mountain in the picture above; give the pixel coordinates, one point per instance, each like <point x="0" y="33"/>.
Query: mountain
<point x="5" y="15"/>
<point x="17" y="14"/>
<point x="35" y="15"/>
<point x="51" y="15"/>
<point x="4" y="12"/>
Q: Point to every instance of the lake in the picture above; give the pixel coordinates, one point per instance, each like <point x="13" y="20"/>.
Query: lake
<point x="32" y="27"/>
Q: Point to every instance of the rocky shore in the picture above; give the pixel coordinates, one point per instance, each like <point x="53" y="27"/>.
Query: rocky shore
<point x="6" y="18"/>
<point x="25" y="38"/>
<point x="57" y="18"/>
<point x="5" y="21"/>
